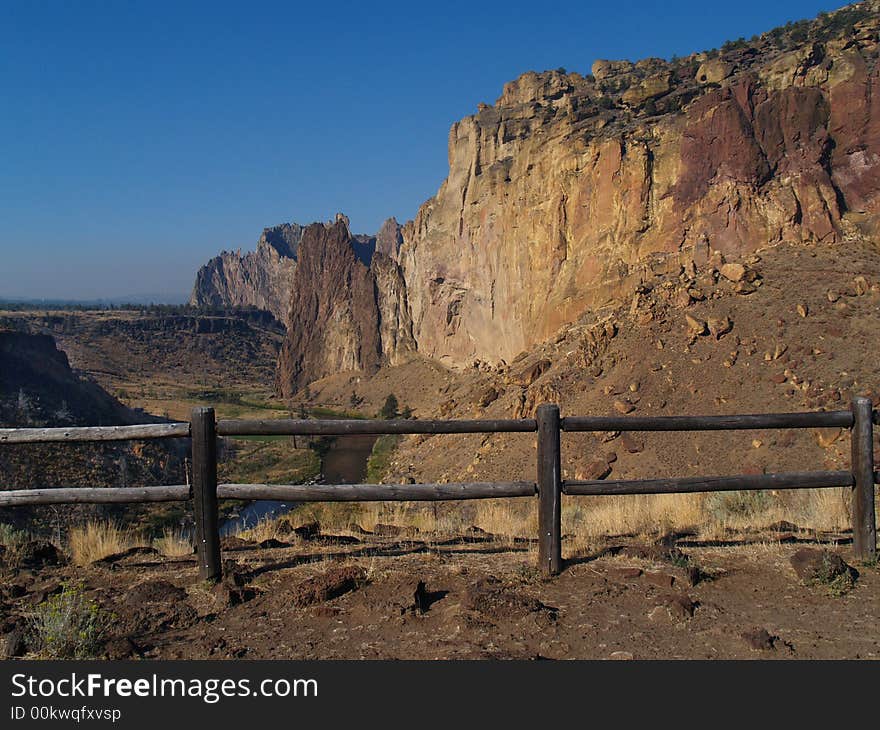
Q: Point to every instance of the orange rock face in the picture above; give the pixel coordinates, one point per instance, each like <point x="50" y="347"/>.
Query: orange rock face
<point x="567" y="192"/>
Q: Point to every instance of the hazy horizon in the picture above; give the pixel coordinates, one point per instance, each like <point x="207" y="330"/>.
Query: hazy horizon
<point x="143" y="139"/>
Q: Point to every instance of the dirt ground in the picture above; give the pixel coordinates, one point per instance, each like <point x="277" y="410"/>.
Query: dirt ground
<point x="473" y="597"/>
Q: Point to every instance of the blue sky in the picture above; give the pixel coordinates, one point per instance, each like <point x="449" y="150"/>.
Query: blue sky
<point x="138" y="139"/>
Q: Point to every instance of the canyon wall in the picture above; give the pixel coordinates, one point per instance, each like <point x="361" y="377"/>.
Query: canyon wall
<point x="260" y="278"/>
<point x="570" y="190"/>
<point x="573" y="190"/>
<point x="347" y="308"/>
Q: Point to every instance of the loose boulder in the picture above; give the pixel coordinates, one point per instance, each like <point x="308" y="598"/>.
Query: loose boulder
<point x="821" y="566"/>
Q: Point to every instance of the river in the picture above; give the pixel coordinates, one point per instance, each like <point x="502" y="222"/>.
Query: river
<point x="344" y="463"/>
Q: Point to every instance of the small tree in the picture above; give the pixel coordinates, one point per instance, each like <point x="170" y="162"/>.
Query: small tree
<point x="389" y="409"/>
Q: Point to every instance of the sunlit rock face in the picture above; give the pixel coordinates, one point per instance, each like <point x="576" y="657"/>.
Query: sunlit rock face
<point x="570" y="190"/>
<point x="260" y="278"/>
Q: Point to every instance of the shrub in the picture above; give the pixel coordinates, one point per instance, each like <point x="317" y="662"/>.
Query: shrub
<point x="838" y="582"/>
<point x="389" y="409"/>
<point x="11" y="537"/>
<point x="69" y="626"/>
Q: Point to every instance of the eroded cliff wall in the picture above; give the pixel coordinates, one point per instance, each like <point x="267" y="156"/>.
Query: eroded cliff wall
<point x="347" y="308"/>
<point x="260" y="278"/>
<point x="571" y="189"/>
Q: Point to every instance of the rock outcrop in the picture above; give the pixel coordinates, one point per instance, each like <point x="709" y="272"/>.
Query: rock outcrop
<point x="260" y="278"/>
<point x="571" y="190"/>
<point x="347" y="311"/>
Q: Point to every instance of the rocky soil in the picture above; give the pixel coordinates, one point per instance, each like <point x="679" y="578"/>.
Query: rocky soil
<point x="324" y="597"/>
<point x="790" y="330"/>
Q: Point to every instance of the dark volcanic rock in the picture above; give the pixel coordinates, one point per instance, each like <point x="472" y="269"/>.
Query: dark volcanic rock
<point x="680" y="606"/>
<point x="138" y="551"/>
<point x="14" y="644"/>
<point x="624" y="574"/>
<point x="233" y="542"/>
<point x="331" y="584"/>
<point x="155" y="591"/>
<point x="307" y="531"/>
<point x="38" y="554"/>
<point x="759" y="639"/>
<point x="821" y="565"/>
<point x="120" y="648"/>
<point x="151" y="606"/>
<point x="493" y="598"/>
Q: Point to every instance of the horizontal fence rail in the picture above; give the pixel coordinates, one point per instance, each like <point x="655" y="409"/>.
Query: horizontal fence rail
<point x="791" y="480"/>
<point x="350" y="427"/>
<point x="204" y="431"/>
<point x="94" y="433"/>
<point x="94" y="495"/>
<point x="820" y="419"/>
<point x="424" y="492"/>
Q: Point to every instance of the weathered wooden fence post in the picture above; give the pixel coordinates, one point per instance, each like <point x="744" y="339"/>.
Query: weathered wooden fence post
<point x="864" y="521"/>
<point x="549" y="490"/>
<point x="204" y="465"/>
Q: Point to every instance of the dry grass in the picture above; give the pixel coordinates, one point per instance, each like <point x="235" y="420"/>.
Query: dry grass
<point x="647" y="514"/>
<point x="507" y="517"/>
<point x="97" y="540"/>
<point x="265" y="529"/>
<point x="588" y="520"/>
<point x="12" y="538"/>
<point x="174" y="543"/>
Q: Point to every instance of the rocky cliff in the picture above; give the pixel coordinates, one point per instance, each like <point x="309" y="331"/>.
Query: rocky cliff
<point x="347" y="308"/>
<point x="258" y="278"/>
<point x="572" y="190"/>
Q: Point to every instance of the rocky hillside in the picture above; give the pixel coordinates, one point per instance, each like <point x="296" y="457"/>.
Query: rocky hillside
<point x="122" y="349"/>
<point x="37" y="387"/>
<point x="571" y="190"/>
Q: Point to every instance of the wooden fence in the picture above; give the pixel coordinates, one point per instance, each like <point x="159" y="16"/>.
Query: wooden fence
<point x="549" y="487"/>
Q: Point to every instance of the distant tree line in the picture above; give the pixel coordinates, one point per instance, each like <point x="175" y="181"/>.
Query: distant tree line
<point x="150" y="309"/>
